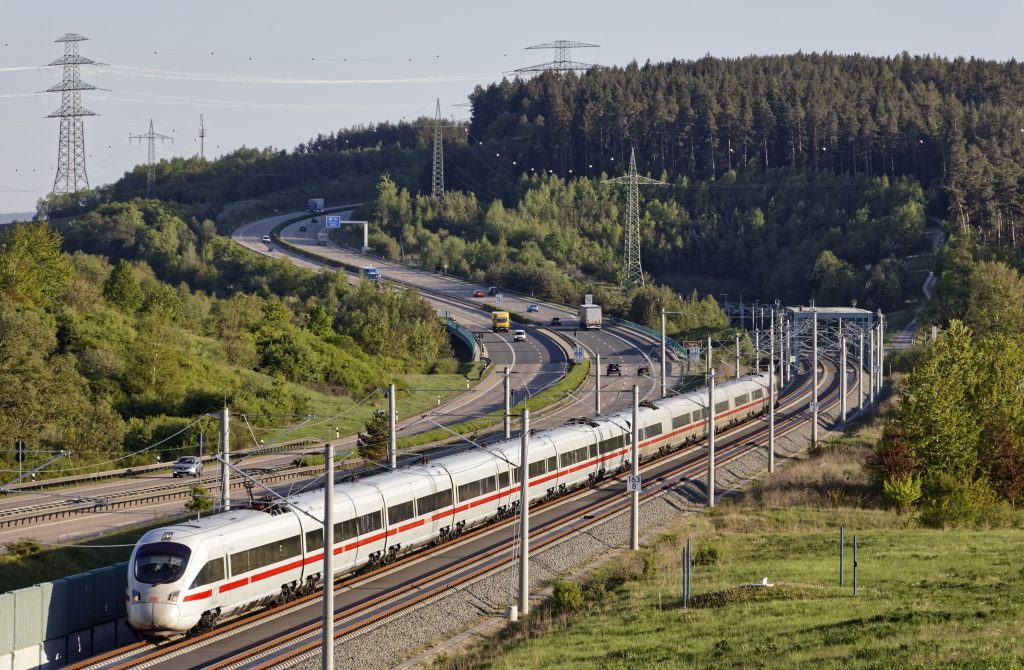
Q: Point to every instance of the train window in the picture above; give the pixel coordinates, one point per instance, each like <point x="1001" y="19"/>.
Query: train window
<point x="487" y="485"/>
<point x="314" y="539"/>
<point x="575" y="456"/>
<point x="537" y="469"/>
<point x="503" y="480"/>
<point x="212" y="572"/>
<point x="434" y="501"/>
<point x="681" y="420"/>
<point x="758" y="394"/>
<point x="553" y="464"/>
<point x="566" y="459"/>
<point x="703" y="414"/>
<point x="515" y="476"/>
<point x="248" y="560"/>
<point x="652" y="430"/>
<point x="370" y="522"/>
<point x="469" y="490"/>
<point x="721" y="407"/>
<point x="742" y="399"/>
<point x="400" y="512"/>
<point x="346" y="530"/>
<point x="612" y="443"/>
<point x="593" y="450"/>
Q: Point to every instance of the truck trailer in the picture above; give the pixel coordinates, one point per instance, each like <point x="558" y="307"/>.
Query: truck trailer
<point x="590" y="317"/>
<point x="315" y="205"/>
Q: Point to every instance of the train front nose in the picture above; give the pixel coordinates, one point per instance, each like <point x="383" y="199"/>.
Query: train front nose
<point x="154" y="616"/>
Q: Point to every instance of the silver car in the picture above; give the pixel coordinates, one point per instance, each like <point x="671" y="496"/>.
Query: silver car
<point x="188" y="466"/>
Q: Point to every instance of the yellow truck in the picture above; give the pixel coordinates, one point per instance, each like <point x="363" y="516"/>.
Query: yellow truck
<point x="500" y="321"/>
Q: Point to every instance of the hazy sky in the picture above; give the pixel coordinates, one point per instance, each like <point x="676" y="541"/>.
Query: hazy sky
<point x="276" y="73"/>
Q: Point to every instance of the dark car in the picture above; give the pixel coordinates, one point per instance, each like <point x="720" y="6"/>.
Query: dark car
<point x="613" y="369"/>
<point x="644" y="371"/>
<point x="302" y="229"/>
<point x="479" y="293"/>
<point x="555" y="321"/>
<point x="493" y="290"/>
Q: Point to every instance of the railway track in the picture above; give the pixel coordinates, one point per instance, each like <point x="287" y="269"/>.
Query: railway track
<point x="295" y="640"/>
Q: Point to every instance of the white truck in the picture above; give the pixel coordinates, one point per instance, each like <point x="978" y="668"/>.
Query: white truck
<point x="590" y="317"/>
<point x="321" y="239"/>
<point x="315" y="205"/>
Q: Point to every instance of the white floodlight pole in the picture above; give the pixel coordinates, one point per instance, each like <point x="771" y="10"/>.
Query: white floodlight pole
<point x="711" y="430"/>
<point x="664" y="365"/>
<point x="860" y="374"/>
<point x="634" y="467"/>
<point x="814" y="385"/>
<point x="842" y="379"/>
<point x="871" y="367"/>
<point x="327" y="655"/>
<point x="771" y="399"/>
<point x="508" y="407"/>
<point x="738" y="354"/>
<point x="392" y="428"/>
<point x="524" y="515"/>
<point x="225" y="455"/>
<point x="597" y="387"/>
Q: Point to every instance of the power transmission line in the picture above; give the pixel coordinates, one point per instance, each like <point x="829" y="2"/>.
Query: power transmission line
<point x="634" y="274"/>
<point x="71" y="174"/>
<point x="563" y="61"/>
<point x="152" y="137"/>
<point x="437" y="182"/>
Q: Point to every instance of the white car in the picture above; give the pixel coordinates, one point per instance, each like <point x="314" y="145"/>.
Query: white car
<point x="188" y="465"/>
<point x="266" y="239"/>
<point x="518" y="335"/>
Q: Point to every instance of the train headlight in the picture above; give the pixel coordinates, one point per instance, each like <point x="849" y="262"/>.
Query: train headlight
<point x="136" y="596"/>
<point x="173" y="598"/>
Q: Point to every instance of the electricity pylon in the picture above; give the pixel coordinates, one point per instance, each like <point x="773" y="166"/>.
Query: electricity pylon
<point x="437" y="182"/>
<point x="71" y="174"/>
<point x="152" y="137"/>
<point x="563" y="61"/>
<point x="634" y="274"/>
<point x="202" y="138"/>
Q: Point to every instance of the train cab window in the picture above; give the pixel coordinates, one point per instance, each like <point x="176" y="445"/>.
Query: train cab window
<point x="503" y="480"/>
<point x="681" y="420"/>
<point x="400" y="512"/>
<point x="434" y="501"/>
<point x="212" y="572"/>
<point x="537" y="468"/>
<point x="314" y="539"/>
<point x="161" y="562"/>
<point x="721" y="407"/>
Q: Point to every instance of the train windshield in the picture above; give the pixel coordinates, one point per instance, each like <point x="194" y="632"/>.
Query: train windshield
<point x="161" y="562"/>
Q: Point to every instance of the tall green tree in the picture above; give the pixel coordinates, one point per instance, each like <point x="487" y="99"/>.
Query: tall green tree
<point x="373" y="444"/>
<point x="122" y="288"/>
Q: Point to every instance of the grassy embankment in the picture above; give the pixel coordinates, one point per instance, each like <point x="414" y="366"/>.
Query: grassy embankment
<point x="926" y="598"/>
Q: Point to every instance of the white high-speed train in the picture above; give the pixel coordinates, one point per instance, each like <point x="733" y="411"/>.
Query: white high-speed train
<point x="182" y="578"/>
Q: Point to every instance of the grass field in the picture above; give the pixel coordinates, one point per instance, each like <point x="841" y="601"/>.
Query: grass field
<point x="926" y="598"/>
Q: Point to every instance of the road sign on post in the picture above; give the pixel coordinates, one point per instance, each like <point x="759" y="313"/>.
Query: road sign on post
<point x="577" y="355"/>
<point x="333" y="221"/>
<point x="633" y="483"/>
<point x="497" y="298"/>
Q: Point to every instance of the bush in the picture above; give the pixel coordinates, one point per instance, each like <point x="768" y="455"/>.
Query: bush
<point x="22" y="548"/>
<point x="568" y="597"/>
<point x="903" y="491"/>
<point x="951" y="502"/>
<point x="705" y="555"/>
